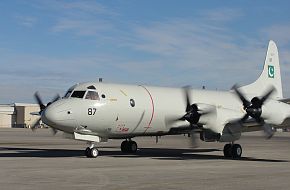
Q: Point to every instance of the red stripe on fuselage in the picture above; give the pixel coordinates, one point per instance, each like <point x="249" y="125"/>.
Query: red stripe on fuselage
<point x="152" y="104"/>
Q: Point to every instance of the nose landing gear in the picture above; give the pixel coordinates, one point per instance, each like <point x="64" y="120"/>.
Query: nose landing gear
<point x="92" y="152"/>
<point x="129" y="146"/>
<point x="233" y="151"/>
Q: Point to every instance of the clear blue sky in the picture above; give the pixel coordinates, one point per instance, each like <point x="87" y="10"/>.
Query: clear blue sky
<point x="50" y="45"/>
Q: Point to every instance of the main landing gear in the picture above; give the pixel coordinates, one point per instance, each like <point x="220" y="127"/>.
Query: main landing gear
<point x="92" y="151"/>
<point x="129" y="146"/>
<point x="233" y="151"/>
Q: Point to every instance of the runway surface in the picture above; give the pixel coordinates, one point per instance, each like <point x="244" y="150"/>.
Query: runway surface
<point x="37" y="160"/>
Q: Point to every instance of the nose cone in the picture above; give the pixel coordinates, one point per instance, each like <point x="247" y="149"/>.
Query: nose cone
<point x="58" y="115"/>
<point x="49" y="116"/>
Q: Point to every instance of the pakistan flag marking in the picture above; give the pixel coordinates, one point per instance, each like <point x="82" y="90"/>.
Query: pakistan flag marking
<point x="271" y="71"/>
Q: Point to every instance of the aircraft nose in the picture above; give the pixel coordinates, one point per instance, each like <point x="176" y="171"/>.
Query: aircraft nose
<point x="49" y="116"/>
<point x="59" y="116"/>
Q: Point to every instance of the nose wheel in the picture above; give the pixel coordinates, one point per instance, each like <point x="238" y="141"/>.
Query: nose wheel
<point x="129" y="146"/>
<point x="233" y="151"/>
<point x="92" y="152"/>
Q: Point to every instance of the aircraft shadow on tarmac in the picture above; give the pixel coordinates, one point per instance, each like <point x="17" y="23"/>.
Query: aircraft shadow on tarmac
<point x="154" y="153"/>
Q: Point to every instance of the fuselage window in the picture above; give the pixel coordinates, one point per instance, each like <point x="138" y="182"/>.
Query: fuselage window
<point x="92" y="95"/>
<point x="132" y="102"/>
<point x="78" y="94"/>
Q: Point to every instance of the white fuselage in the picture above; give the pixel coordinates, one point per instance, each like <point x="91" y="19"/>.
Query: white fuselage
<point x="124" y="111"/>
<point x="115" y="116"/>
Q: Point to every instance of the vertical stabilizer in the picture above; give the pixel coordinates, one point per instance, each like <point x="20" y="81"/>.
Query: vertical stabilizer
<point x="270" y="76"/>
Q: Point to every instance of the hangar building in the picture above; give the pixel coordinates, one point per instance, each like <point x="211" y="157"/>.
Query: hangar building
<point x="17" y="115"/>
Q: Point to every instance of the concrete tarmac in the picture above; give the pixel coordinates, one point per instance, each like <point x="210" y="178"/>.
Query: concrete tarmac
<point x="37" y="160"/>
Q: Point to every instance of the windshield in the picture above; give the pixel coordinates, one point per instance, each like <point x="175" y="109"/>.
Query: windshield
<point x="78" y="94"/>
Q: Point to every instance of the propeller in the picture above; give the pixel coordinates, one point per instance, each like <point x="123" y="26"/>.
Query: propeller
<point x="42" y="108"/>
<point x="192" y="115"/>
<point x="193" y="141"/>
<point x="254" y="110"/>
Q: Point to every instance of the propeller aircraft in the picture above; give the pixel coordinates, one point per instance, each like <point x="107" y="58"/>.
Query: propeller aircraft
<point x="96" y="112"/>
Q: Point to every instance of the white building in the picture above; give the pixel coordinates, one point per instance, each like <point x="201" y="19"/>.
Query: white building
<point x="7" y="116"/>
<point x="17" y="115"/>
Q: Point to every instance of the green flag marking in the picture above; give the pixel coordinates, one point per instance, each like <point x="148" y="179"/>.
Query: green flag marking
<point x="271" y="71"/>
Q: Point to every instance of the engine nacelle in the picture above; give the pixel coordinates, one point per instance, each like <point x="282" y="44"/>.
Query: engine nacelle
<point x="209" y="136"/>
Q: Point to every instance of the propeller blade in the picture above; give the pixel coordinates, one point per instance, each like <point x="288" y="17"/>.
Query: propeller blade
<point x="193" y="140"/>
<point x="53" y="131"/>
<point x="39" y="101"/>
<point x="206" y="110"/>
<point x="57" y="97"/>
<point x="35" y="124"/>
<point x="245" y="118"/>
<point x="172" y="120"/>
<point x="186" y="95"/>
<point x="246" y="103"/>
<point x="268" y="131"/>
<point x="35" y="113"/>
<point x="267" y="95"/>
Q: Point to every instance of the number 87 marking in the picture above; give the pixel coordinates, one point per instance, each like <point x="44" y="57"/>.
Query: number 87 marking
<point x="92" y="111"/>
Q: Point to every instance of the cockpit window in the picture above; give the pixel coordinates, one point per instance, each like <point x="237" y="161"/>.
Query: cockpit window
<point x="67" y="94"/>
<point x="92" y="95"/>
<point x="91" y="87"/>
<point x="69" y="91"/>
<point x="78" y="94"/>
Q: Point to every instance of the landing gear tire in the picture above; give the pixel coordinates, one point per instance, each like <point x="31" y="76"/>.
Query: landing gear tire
<point x="129" y="147"/>
<point x="87" y="152"/>
<point x="124" y="146"/>
<point x="236" y="151"/>
<point x="227" y="150"/>
<point x="92" y="152"/>
<point x="233" y="151"/>
<point x="133" y="147"/>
